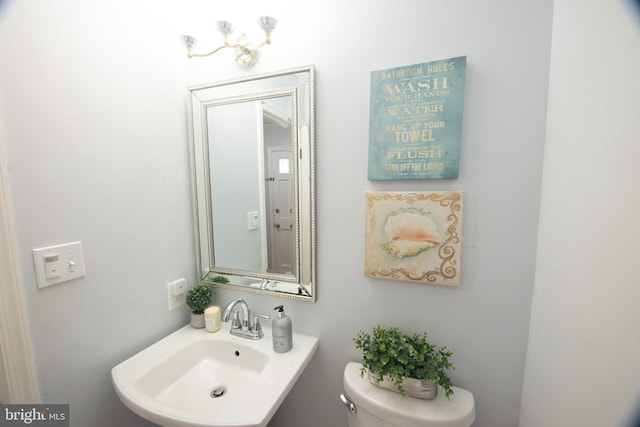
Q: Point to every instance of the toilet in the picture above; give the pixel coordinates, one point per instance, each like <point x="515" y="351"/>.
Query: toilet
<point x="371" y="406"/>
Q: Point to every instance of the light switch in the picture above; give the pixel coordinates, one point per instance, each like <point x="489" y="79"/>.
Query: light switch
<point x="57" y="264"/>
<point x="51" y="266"/>
<point x="252" y="220"/>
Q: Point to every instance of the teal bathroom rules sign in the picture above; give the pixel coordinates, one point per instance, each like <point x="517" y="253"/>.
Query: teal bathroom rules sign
<point x="415" y="120"/>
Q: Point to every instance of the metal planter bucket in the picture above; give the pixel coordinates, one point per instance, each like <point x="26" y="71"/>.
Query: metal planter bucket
<point x="420" y="389"/>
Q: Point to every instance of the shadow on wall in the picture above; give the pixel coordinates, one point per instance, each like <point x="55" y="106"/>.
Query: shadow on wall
<point x="635" y="5"/>
<point x="634" y="416"/>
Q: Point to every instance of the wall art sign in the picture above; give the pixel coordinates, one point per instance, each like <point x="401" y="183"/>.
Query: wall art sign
<point x="414" y="236"/>
<point x="415" y="120"/>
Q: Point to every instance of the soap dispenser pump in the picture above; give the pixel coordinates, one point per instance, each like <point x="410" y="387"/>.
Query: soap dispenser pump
<point x="281" y="331"/>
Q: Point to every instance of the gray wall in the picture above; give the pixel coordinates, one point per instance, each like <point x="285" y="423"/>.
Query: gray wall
<point x="93" y="116"/>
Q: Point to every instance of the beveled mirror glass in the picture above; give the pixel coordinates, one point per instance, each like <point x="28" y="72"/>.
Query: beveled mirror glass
<point x="252" y="143"/>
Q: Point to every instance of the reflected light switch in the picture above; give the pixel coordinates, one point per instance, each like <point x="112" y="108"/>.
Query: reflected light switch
<point x="252" y="220"/>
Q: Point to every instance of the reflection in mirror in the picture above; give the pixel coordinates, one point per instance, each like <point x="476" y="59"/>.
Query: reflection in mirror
<point x="253" y="228"/>
<point x="253" y="148"/>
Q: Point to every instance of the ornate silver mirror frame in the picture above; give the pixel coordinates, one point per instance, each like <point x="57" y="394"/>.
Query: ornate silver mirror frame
<point x="234" y="213"/>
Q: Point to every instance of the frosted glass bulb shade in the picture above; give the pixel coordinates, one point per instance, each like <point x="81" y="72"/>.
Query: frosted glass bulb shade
<point x="188" y="41"/>
<point x="225" y="27"/>
<point x="267" y="23"/>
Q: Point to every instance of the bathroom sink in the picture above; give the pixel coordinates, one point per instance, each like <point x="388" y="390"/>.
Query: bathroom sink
<point x="196" y="378"/>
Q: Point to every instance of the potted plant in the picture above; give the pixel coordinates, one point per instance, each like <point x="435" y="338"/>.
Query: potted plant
<point x="408" y="364"/>
<point x="198" y="298"/>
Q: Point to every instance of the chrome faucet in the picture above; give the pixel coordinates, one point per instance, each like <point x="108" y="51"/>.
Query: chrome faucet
<point x="249" y="327"/>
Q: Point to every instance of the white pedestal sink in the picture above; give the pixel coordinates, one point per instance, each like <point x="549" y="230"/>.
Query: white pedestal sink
<point x="196" y="378"/>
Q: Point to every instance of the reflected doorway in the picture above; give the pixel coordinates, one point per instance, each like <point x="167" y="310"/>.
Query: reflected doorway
<point x="280" y="216"/>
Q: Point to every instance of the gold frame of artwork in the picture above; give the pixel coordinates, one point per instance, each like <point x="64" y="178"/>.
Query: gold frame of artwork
<point x="414" y="236"/>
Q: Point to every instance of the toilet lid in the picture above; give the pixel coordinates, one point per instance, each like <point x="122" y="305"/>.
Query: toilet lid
<point x="408" y="411"/>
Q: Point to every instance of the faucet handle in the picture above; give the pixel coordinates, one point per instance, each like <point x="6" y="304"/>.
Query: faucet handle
<point x="256" y="317"/>
<point x="247" y="324"/>
<point x="257" y="327"/>
<point x="235" y="323"/>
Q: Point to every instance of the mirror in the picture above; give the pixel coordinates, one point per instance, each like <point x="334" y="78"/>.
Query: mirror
<point x="252" y="142"/>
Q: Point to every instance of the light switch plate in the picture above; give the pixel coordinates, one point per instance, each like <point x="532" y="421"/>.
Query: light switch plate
<point x="69" y="264"/>
<point x="252" y="220"/>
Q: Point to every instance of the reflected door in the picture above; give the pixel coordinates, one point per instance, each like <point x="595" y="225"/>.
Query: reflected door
<point x="281" y="236"/>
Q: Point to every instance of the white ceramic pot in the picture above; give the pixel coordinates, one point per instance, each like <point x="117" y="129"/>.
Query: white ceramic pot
<point x="197" y="320"/>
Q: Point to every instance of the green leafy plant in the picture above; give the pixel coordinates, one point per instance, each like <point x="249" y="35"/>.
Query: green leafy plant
<point x="220" y="279"/>
<point x="398" y="355"/>
<point x="199" y="298"/>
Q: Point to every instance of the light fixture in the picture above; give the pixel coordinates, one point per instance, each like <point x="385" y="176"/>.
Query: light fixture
<point x="246" y="53"/>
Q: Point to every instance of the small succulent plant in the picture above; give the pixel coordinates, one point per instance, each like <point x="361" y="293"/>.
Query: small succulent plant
<point x="198" y="298"/>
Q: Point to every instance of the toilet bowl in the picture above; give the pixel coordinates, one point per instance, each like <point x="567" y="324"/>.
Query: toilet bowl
<point x="371" y="406"/>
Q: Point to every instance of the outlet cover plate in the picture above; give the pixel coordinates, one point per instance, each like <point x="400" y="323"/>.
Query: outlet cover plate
<point x="175" y="301"/>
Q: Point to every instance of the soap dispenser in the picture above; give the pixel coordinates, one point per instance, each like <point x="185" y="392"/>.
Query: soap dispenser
<point x="281" y="331"/>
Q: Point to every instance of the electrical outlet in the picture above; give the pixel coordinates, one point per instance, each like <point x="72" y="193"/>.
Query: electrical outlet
<point x="176" y="294"/>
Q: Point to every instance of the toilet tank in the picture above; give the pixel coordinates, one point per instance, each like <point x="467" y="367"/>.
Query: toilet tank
<point x="377" y="407"/>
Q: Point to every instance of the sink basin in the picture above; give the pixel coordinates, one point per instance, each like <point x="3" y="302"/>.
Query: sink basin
<point x="196" y="378"/>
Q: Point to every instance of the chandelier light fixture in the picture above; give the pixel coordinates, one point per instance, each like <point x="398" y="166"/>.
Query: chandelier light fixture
<point x="245" y="52"/>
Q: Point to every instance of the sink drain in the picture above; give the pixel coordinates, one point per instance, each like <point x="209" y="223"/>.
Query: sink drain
<point x="218" y="392"/>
